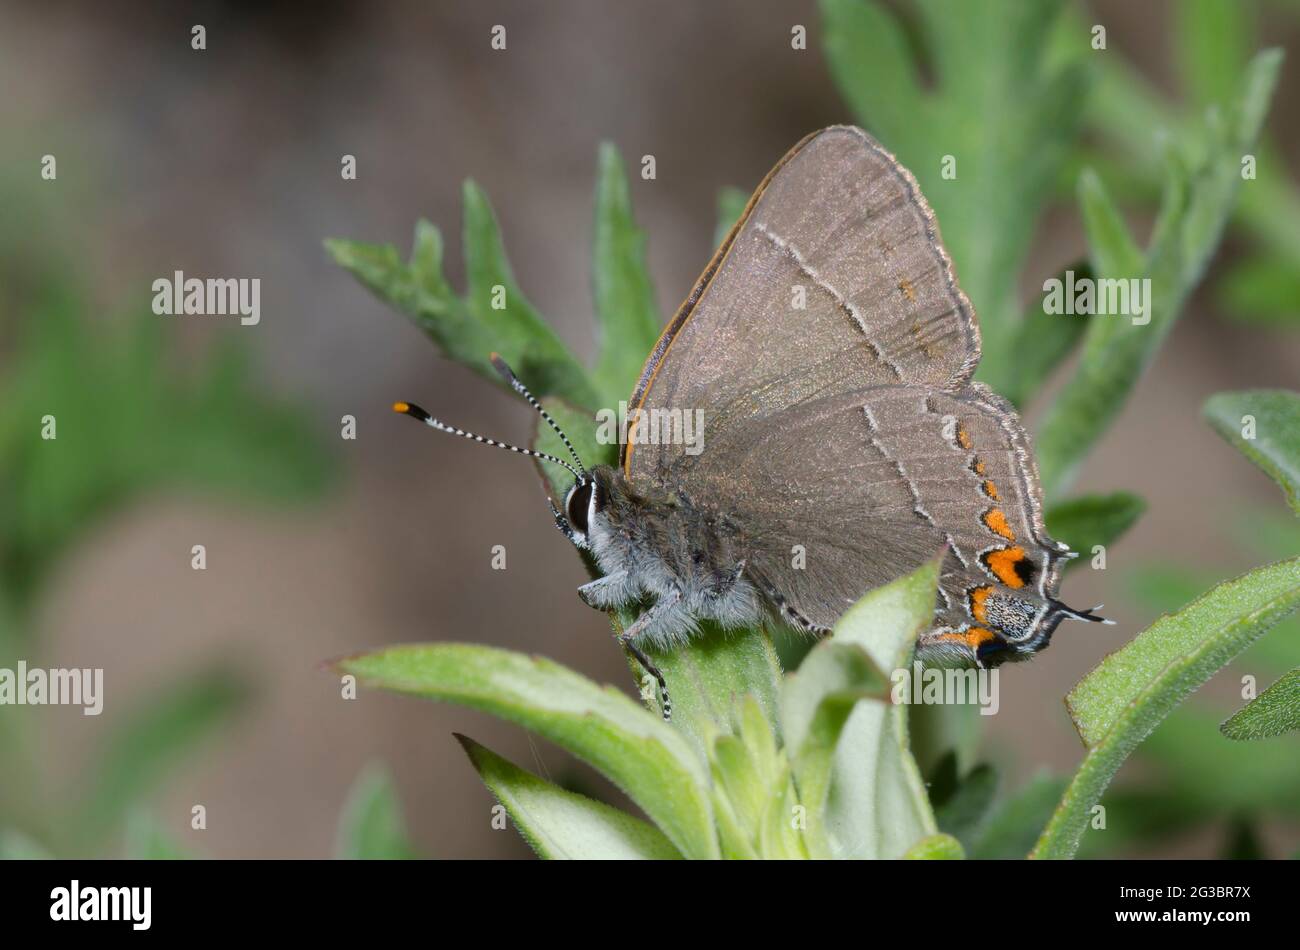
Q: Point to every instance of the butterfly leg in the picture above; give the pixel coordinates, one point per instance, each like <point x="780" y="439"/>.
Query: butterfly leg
<point x="605" y="593"/>
<point x="649" y="667"/>
<point x="664" y="606"/>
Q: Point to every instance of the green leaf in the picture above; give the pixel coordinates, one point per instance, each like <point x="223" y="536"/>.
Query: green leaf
<point x="1213" y="41"/>
<point x="152" y="741"/>
<point x="962" y="804"/>
<point x="558" y="823"/>
<point x="753" y="789"/>
<point x="1270" y="419"/>
<point x="1261" y="291"/>
<point x="706" y="677"/>
<point x="628" y="315"/>
<point x="877" y="806"/>
<point x="938" y="847"/>
<point x="1113" y="249"/>
<point x="639" y="753"/>
<point x="147" y="840"/>
<point x="1202" y="187"/>
<point x="126" y="424"/>
<point x="817" y="700"/>
<point x="469" y="329"/>
<point x="1120" y="702"/>
<point x="371" y="827"/>
<point x="1272" y="713"/>
<point x="1044" y="340"/>
<point x="1000" y="105"/>
<point x="1091" y="520"/>
<point x="1201" y="770"/>
<point x="1012" y="827"/>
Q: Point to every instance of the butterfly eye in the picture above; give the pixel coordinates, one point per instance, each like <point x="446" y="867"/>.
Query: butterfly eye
<point x="577" y="505"/>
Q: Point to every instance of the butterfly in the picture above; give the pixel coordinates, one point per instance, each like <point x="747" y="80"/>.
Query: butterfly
<point x="831" y="354"/>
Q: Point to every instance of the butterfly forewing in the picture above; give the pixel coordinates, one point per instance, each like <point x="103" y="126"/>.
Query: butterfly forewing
<point x="834" y="281"/>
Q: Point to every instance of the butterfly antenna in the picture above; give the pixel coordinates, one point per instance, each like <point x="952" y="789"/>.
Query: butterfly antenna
<point x="415" y="412"/>
<point x="508" y="375"/>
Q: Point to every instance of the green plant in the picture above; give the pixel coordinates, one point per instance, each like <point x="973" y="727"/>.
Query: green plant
<point x="125" y="425"/>
<point x="817" y="761"/>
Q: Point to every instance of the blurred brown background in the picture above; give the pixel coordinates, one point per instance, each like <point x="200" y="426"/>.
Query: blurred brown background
<point x="226" y="162"/>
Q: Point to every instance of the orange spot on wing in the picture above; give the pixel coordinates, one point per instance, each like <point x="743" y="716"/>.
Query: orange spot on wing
<point x="977" y="635"/>
<point x="978" y="467"/>
<point x="990" y="489"/>
<point x="996" y="522"/>
<point x="1002" y="563"/>
<point x="963" y="437"/>
<point x="978" y="598"/>
<point x="906" y="287"/>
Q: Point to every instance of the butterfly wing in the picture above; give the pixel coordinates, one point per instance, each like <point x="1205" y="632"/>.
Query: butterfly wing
<point x="834" y="280"/>
<point x="842" y="494"/>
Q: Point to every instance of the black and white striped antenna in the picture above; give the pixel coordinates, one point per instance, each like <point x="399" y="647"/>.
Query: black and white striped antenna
<point x="415" y="412"/>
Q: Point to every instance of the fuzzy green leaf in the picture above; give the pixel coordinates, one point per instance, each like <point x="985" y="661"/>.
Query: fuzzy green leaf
<point x="1000" y="106"/>
<point x="877" y="806"/>
<point x="469" y="329"/>
<point x="817" y="700"/>
<point x="1091" y="520"/>
<point x="628" y="315"/>
<point x="372" y="827"/>
<point x="639" y="753"/>
<point x="1120" y="702"/>
<point x="1011" y="827"/>
<point x="1043" y="341"/>
<point x="558" y="823"/>
<point x="1272" y="713"/>
<point x="1202" y="187"/>
<point x="1271" y="419"/>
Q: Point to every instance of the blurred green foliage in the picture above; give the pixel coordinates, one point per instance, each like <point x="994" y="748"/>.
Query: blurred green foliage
<point x="126" y="422"/>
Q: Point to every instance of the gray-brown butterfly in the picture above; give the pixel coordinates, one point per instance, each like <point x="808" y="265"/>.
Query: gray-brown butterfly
<point x="830" y="352"/>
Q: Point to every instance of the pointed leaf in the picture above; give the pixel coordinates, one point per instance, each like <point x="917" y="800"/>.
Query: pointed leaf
<point x="1117" y="348"/>
<point x="877" y="806"/>
<point x="639" y="753"/>
<point x="628" y="315"/>
<point x="372" y="827"/>
<point x="558" y="823"/>
<point x="1120" y="702"/>
<point x="1091" y="520"/>
<point x="1272" y="713"/>
<point x="1265" y="425"/>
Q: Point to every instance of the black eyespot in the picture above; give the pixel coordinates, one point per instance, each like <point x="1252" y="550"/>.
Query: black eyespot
<point x="576" y="509"/>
